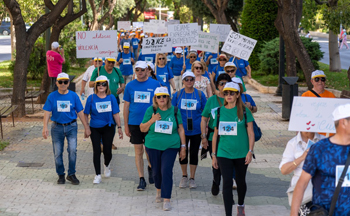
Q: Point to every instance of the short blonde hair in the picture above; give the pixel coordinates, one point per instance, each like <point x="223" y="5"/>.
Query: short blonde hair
<point x="108" y="91"/>
<point x="158" y="56"/>
<point x="198" y="62"/>
<point x="155" y="104"/>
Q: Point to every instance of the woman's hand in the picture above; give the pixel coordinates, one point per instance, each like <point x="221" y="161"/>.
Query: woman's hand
<point x="214" y="162"/>
<point x="205" y="143"/>
<point x="182" y="154"/>
<point x="248" y="158"/>
<point x="155" y="117"/>
<point x="120" y="132"/>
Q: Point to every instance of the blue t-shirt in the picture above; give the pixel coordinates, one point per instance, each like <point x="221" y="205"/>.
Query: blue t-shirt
<point x="218" y="70"/>
<point x="190" y="107"/>
<point x="135" y="43"/>
<point x="64" y="107"/>
<point x="140" y="96"/>
<point x="176" y="65"/>
<point x="188" y="65"/>
<point x="160" y="80"/>
<point x="249" y="99"/>
<point x="101" y="110"/>
<point x="206" y="74"/>
<point x="213" y="61"/>
<point x="241" y="64"/>
<point x="321" y="163"/>
<point x="126" y="66"/>
<point x="165" y="74"/>
<point x="147" y="57"/>
<point x="169" y="57"/>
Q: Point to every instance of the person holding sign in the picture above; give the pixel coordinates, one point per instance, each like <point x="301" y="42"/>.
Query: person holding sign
<point x="137" y="98"/>
<point x="176" y="65"/>
<point x="211" y="61"/>
<point x="164" y="72"/>
<point x="104" y="111"/>
<point x="324" y="166"/>
<point x="126" y="61"/>
<point x="234" y="148"/>
<point x="243" y="69"/>
<point x="219" y="69"/>
<point x="201" y="82"/>
<point x="231" y="69"/>
<point x="191" y="102"/>
<point x="65" y="106"/>
<point x="163" y="122"/>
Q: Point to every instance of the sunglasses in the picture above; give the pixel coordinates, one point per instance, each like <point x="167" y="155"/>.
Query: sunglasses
<point x="317" y="79"/>
<point x="137" y="70"/>
<point x="189" y="79"/>
<point x="193" y="56"/>
<point x="61" y="82"/>
<point x="110" y="62"/>
<point x="222" y="59"/>
<point x="230" y="71"/>
<point x="104" y="84"/>
<point x="230" y="93"/>
<point x="161" y="58"/>
<point x="161" y="96"/>
<point x="222" y="83"/>
<point x="198" y="68"/>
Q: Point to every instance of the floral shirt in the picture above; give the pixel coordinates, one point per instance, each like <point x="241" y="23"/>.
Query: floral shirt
<point x="202" y="85"/>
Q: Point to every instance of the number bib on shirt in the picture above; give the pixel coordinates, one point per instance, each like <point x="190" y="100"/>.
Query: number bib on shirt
<point x="142" y="97"/>
<point x="213" y="61"/>
<point x="228" y="128"/>
<point x="221" y="72"/>
<point x="188" y="104"/>
<point x="213" y="112"/>
<point x="126" y="61"/>
<point x="148" y="59"/>
<point x="135" y="43"/>
<point x="163" y="127"/>
<point x="338" y="171"/>
<point x="169" y="57"/>
<point x="63" y="106"/>
<point x="104" y="107"/>
<point x="163" y="77"/>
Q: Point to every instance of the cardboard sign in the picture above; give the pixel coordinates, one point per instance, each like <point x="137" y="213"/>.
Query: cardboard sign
<point x="183" y="34"/>
<point x="137" y="24"/>
<point x="207" y="42"/>
<point x="155" y="27"/>
<point x="221" y="29"/>
<point x="156" y="45"/>
<point x="91" y="44"/>
<point x="124" y="25"/>
<point x="313" y="114"/>
<point x="239" y="45"/>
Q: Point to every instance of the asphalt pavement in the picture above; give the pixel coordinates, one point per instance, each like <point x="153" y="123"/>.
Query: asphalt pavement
<point x="5" y="48"/>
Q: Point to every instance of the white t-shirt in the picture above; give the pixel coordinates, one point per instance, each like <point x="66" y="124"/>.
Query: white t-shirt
<point x="87" y="75"/>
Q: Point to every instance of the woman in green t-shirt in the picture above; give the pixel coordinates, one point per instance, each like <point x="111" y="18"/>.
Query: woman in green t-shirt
<point x="165" y="130"/>
<point x="235" y="147"/>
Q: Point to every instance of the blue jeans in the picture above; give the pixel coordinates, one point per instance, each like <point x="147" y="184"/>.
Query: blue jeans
<point x="58" y="134"/>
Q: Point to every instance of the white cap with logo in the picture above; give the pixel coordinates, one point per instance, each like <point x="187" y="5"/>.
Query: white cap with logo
<point x="126" y="45"/>
<point x="141" y="64"/>
<point x="150" y="64"/>
<point x="317" y="73"/>
<point x="230" y="64"/>
<point x="188" y="74"/>
<point x="102" y="78"/>
<point x="178" y="50"/>
<point x="55" y="45"/>
<point x="341" y="112"/>
<point x="161" y="91"/>
<point x="62" y="76"/>
<point x="230" y="86"/>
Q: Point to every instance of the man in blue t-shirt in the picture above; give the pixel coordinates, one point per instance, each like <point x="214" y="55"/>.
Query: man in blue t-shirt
<point x="138" y="97"/>
<point x="126" y="61"/>
<point x="135" y="45"/>
<point x="65" y="106"/>
<point x="176" y="66"/>
<point x="324" y="165"/>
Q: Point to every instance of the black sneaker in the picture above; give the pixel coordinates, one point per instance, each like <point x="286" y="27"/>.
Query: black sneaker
<point x="150" y="176"/>
<point x="61" y="179"/>
<point x="215" y="189"/>
<point x="142" y="185"/>
<point x="73" y="179"/>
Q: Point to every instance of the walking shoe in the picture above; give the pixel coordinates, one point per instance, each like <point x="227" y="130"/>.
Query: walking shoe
<point x="159" y="199"/>
<point x="193" y="184"/>
<point x="114" y="147"/>
<point x="183" y="182"/>
<point x="234" y="185"/>
<point x="215" y="189"/>
<point x="73" y="179"/>
<point x="142" y="185"/>
<point x="107" y="171"/>
<point x="97" y="179"/>
<point x="150" y="175"/>
<point x="61" y="179"/>
<point x="166" y="206"/>
<point x="240" y="211"/>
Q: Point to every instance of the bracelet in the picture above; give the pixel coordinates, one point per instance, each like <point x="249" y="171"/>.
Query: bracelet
<point x="295" y="163"/>
<point x="119" y="127"/>
<point x="183" y="146"/>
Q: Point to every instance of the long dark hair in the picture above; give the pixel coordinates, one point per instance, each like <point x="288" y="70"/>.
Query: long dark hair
<point x="240" y="106"/>
<point x="153" y="75"/>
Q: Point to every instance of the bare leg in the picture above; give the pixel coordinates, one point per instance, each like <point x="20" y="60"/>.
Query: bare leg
<point x="193" y="170"/>
<point x="139" y="159"/>
<point x="184" y="169"/>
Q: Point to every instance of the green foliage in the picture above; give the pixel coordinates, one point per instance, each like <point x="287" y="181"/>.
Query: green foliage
<point x="3" y="144"/>
<point x="257" y="20"/>
<point x="185" y="15"/>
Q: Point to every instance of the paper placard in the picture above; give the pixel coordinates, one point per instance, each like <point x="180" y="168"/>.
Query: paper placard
<point x="183" y="34"/>
<point x="207" y="42"/>
<point x="137" y="24"/>
<point x="124" y="25"/>
<point x="91" y="44"/>
<point x="155" y="27"/>
<point x="173" y="22"/>
<point x="239" y="45"/>
<point x="313" y="114"/>
<point x="221" y="29"/>
<point x="156" y="45"/>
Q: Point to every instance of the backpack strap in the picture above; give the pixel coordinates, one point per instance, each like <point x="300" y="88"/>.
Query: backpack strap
<point x="200" y="97"/>
<point x="175" y="114"/>
<point x="217" y="98"/>
<point x="313" y="92"/>
<point x="177" y="96"/>
<point x="217" y="127"/>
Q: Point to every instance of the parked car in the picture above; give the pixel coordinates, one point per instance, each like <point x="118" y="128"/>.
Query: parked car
<point x="5" y="28"/>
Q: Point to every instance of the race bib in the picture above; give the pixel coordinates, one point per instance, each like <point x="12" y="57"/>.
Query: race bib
<point x="213" y="61"/>
<point x="104" y="107"/>
<point x="163" y="127"/>
<point x="135" y="43"/>
<point x="142" y="97"/>
<point x="213" y="112"/>
<point x="169" y="57"/>
<point x="148" y="59"/>
<point x="163" y="77"/>
<point x="221" y="72"/>
<point x="63" y="106"/>
<point x="338" y="171"/>
<point x="188" y="104"/>
<point x="228" y="128"/>
<point x="127" y="61"/>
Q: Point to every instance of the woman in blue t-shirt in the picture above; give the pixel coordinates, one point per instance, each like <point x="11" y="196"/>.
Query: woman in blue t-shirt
<point x="104" y="111"/>
<point x="164" y="72"/>
<point x="219" y="69"/>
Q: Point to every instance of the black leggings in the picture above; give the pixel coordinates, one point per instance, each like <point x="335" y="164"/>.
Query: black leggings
<point x="226" y="166"/>
<point x="195" y="141"/>
<point x="107" y="135"/>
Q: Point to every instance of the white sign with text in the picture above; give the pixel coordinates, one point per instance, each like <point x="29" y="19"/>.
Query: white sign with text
<point x="239" y="45"/>
<point x="137" y="24"/>
<point x="155" y="27"/>
<point x="207" y="42"/>
<point x="124" y="25"/>
<point x="183" y="34"/>
<point x="156" y="45"/>
<point x="221" y="29"/>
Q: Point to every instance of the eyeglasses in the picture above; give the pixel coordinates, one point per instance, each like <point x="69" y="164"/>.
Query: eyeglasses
<point x="230" y="93"/>
<point x="104" y="84"/>
<point x="193" y="56"/>
<point x="230" y="71"/>
<point x="110" y="62"/>
<point x="61" y="82"/>
<point x="161" y="58"/>
<point x="189" y="79"/>
<point x="161" y="96"/>
<point x="198" y="68"/>
<point x="222" y="83"/>
<point x="317" y="79"/>
<point x="137" y="70"/>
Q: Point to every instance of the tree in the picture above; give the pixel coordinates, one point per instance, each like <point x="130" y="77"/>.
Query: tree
<point x="99" y="14"/>
<point x="217" y="8"/>
<point x="24" y="44"/>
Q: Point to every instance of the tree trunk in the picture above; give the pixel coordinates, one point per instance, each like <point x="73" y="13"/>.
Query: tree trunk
<point x="349" y="75"/>
<point x="13" y="38"/>
<point x="334" y="57"/>
<point x="230" y="21"/>
<point x="291" y="68"/>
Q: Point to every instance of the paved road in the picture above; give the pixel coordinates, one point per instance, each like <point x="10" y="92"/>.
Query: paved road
<point x="5" y="48"/>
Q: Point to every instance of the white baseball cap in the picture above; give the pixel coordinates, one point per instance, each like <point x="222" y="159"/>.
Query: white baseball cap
<point x="237" y="80"/>
<point x="341" y="112"/>
<point x="122" y="34"/>
<point x="141" y="64"/>
<point x="150" y="64"/>
<point x="178" y="50"/>
<point x="193" y="50"/>
<point x="317" y="73"/>
<point x="142" y="35"/>
<point x="230" y="64"/>
<point x="161" y="91"/>
<point x="230" y="86"/>
<point x="126" y="45"/>
<point x="102" y="78"/>
<point x="62" y="76"/>
<point x="188" y="74"/>
<point x="55" y="45"/>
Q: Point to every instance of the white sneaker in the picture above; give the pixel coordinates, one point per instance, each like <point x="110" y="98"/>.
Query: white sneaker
<point x="234" y="185"/>
<point x="183" y="182"/>
<point x="107" y="171"/>
<point x="192" y="184"/>
<point x="167" y="206"/>
<point x="97" y="179"/>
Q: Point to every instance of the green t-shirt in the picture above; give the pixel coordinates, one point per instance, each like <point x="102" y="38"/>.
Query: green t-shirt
<point x="162" y="141"/>
<point x="115" y="78"/>
<point x="233" y="146"/>
<point x="209" y="111"/>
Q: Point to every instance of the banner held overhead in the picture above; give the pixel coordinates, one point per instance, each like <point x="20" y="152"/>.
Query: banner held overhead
<point x="124" y="25"/>
<point x="239" y="45"/>
<point x="156" y="45"/>
<point x="183" y="34"/>
<point x="221" y="29"/>
<point x="207" y="42"/>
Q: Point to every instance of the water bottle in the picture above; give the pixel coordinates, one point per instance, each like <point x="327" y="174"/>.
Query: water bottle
<point x="83" y="96"/>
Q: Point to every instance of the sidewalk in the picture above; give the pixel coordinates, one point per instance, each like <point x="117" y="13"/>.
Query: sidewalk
<point x="33" y="190"/>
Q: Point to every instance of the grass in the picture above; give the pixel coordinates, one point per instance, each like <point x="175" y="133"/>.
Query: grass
<point x="3" y="144"/>
<point x="6" y="79"/>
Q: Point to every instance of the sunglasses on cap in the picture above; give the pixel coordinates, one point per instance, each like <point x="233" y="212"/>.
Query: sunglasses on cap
<point x="189" y="79"/>
<point x="61" y="82"/>
<point x="230" y="71"/>
<point x="161" y="96"/>
<point x="138" y="69"/>
<point x="229" y="93"/>
<point x="317" y="79"/>
<point x="161" y="58"/>
<point x="198" y="68"/>
<point x="110" y="62"/>
<point x="221" y="83"/>
<point x="104" y="84"/>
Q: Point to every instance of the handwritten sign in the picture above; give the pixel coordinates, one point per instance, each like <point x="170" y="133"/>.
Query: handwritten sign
<point x="239" y="45"/>
<point x="183" y="34"/>
<point x="207" y="42"/>
<point x="137" y="24"/>
<point x="314" y="114"/>
<point x="156" y="45"/>
<point x="124" y="25"/>
<point x="96" y="43"/>
<point x="220" y="29"/>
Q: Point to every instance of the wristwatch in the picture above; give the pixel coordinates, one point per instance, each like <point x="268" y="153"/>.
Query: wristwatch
<point x="251" y="151"/>
<point x="203" y="136"/>
<point x="213" y="154"/>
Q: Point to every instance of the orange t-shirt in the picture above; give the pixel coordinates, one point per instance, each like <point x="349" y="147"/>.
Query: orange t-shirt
<point x="326" y="94"/>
